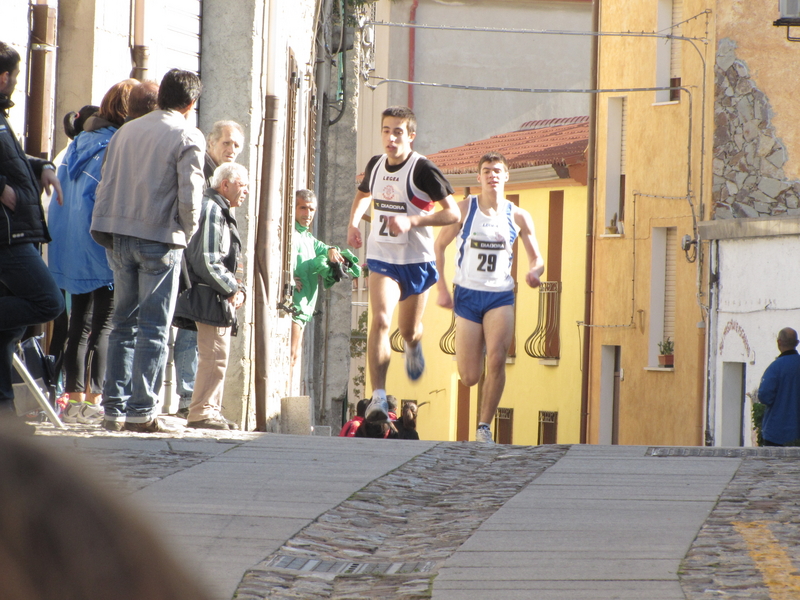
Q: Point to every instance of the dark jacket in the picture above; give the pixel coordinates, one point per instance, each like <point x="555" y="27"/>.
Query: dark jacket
<point x="780" y="392"/>
<point x="22" y="172"/>
<point x="212" y="257"/>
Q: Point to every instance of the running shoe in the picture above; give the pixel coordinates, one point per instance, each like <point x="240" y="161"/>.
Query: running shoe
<point x="484" y="434"/>
<point x="212" y="422"/>
<point x="378" y="409"/>
<point x="91" y="414"/>
<point x="72" y="412"/>
<point x="415" y="362"/>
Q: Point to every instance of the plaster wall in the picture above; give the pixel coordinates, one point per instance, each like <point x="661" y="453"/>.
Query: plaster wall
<point x="752" y="309"/>
<point x="448" y="117"/>
<point x="328" y="358"/>
<point x="233" y="89"/>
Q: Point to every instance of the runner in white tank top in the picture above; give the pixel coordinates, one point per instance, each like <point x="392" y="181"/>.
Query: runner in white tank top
<point x="484" y="297"/>
<point x="484" y="252"/>
<point x="403" y="189"/>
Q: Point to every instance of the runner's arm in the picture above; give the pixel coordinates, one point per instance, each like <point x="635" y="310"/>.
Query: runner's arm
<point x="528" y="236"/>
<point x="443" y="240"/>
<point x="447" y="215"/>
<point x="360" y="205"/>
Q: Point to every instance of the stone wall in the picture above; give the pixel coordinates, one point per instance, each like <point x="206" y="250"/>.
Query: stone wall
<point x="749" y="180"/>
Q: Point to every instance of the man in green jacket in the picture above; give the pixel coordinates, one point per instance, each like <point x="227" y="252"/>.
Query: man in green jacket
<point x="311" y="261"/>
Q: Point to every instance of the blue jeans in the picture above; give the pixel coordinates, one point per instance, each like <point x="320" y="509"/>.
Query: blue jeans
<point x="28" y="296"/>
<point x="145" y="290"/>
<point x="185" y="357"/>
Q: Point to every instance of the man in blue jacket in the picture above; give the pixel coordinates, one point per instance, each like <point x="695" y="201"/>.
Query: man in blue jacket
<point x="28" y="294"/>
<point x="780" y="392"/>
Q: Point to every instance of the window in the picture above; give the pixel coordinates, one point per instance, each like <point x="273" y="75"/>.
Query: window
<point x="664" y="245"/>
<point x="668" y="52"/>
<point x="548" y="427"/>
<point x="545" y="341"/>
<point x="616" y="150"/>
<point x="504" y="425"/>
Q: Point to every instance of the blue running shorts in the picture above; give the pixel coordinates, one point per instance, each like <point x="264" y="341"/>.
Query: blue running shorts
<point x="413" y="279"/>
<point x="472" y="304"/>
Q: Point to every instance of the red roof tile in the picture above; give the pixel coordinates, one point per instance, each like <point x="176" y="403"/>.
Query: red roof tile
<point x="558" y="142"/>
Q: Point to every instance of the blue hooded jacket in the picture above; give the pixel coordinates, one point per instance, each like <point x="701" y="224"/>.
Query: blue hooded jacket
<point x="78" y="263"/>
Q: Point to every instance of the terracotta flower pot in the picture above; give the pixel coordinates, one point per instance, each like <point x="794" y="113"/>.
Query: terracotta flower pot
<point x="666" y="360"/>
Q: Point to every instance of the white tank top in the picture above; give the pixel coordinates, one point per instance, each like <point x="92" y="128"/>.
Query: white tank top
<point x="484" y="252"/>
<point x="395" y="194"/>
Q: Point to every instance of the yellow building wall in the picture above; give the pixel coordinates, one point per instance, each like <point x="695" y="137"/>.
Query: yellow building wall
<point x="530" y="386"/>
<point x="656" y="406"/>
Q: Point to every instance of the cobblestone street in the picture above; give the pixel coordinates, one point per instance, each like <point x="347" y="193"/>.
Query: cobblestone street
<point x="394" y="534"/>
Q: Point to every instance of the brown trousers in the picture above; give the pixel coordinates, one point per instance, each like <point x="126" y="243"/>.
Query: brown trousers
<point x="213" y="344"/>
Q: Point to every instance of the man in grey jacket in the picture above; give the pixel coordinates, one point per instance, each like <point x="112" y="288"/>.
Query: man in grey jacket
<point x="146" y="210"/>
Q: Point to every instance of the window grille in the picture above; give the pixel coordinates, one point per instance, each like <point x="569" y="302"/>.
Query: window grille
<point x="545" y="341"/>
<point x="548" y="427"/>
<point x="504" y="425"/>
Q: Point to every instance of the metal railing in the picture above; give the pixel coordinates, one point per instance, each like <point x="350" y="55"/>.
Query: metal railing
<point x="545" y="341"/>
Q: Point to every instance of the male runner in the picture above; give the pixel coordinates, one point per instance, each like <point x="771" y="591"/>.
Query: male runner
<point x="403" y="188"/>
<point x="484" y="288"/>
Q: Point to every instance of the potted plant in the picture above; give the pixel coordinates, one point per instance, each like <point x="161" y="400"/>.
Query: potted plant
<point x="666" y="357"/>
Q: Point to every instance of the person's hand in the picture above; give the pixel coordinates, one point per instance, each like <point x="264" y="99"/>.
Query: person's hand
<point x="9" y="198"/>
<point x="532" y="279"/>
<point x="444" y="298"/>
<point x="50" y="179"/>
<point x="237" y="299"/>
<point x="298" y="284"/>
<point x="354" y="237"/>
<point x="335" y="256"/>
<point x="399" y="224"/>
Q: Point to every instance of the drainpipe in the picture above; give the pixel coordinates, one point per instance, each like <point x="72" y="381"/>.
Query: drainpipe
<point x="412" y="50"/>
<point x="41" y="80"/>
<point x="590" y="199"/>
<point x="140" y="54"/>
<point x="267" y="222"/>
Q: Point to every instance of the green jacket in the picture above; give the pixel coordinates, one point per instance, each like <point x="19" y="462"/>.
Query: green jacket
<point x="310" y="263"/>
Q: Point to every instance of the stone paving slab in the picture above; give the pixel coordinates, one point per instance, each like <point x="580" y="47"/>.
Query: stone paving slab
<point x="619" y="590"/>
<point x="585" y="477"/>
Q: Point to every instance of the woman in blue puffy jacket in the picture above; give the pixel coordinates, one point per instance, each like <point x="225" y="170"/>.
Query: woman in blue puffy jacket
<point x="79" y="264"/>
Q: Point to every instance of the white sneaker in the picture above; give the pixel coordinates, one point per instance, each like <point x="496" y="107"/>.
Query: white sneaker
<point x="71" y="412"/>
<point x="484" y="434"/>
<point x="378" y="409"/>
<point x="91" y="414"/>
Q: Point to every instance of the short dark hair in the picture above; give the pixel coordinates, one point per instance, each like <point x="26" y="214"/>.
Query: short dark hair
<point x="73" y="121"/>
<point x="491" y="157"/>
<point x="361" y="407"/>
<point x="9" y="58"/>
<point x="178" y="90"/>
<point x="404" y="113"/>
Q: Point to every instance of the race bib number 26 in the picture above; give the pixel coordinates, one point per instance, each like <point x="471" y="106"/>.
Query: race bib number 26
<point x="383" y="210"/>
